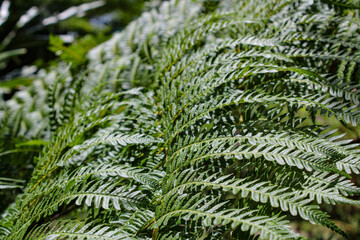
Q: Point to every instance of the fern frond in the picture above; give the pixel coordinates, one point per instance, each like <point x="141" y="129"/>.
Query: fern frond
<point x="68" y="229"/>
<point x="245" y="219"/>
<point x="135" y="222"/>
<point x="194" y="122"/>
<point x="116" y="140"/>
<point x="296" y="201"/>
<point x="8" y="183"/>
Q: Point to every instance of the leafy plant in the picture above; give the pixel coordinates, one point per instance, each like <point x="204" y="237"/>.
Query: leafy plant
<point x="198" y="121"/>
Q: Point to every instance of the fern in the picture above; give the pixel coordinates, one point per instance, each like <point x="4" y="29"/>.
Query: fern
<point x="197" y="121"/>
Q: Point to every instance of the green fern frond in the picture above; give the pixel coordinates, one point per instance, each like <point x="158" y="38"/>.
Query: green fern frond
<point x="245" y="219"/>
<point x="8" y="183"/>
<point x="194" y="122"/>
<point x="77" y="230"/>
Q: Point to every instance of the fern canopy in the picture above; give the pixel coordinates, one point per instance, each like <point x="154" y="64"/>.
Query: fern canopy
<point x="200" y="120"/>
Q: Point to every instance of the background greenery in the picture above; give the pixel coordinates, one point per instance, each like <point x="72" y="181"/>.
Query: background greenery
<point x="84" y="29"/>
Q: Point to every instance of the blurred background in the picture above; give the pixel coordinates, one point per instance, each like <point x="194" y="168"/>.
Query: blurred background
<point x="34" y="32"/>
<point x="38" y="34"/>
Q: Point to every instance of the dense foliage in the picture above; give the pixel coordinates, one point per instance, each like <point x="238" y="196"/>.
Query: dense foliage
<point x="198" y="121"/>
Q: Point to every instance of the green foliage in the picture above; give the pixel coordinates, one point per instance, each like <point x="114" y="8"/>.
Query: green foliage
<point x="20" y="28"/>
<point x="75" y="54"/>
<point x="189" y="124"/>
<point x="25" y="26"/>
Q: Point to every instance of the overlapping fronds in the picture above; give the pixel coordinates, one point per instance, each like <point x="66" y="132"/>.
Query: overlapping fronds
<point x="200" y="120"/>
